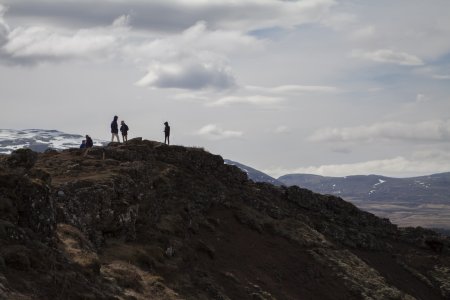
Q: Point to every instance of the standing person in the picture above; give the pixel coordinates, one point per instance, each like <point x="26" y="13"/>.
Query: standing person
<point x="124" y="131"/>
<point x="115" y="129"/>
<point x="89" y="143"/>
<point x="166" y="133"/>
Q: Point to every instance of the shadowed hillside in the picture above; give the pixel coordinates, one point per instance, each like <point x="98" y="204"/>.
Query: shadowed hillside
<point x="144" y="220"/>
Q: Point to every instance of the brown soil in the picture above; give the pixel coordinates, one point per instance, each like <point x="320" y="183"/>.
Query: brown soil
<point x="398" y="276"/>
<point x="264" y="262"/>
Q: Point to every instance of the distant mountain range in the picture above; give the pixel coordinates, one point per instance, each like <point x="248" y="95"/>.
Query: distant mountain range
<point x="417" y="201"/>
<point x="375" y="188"/>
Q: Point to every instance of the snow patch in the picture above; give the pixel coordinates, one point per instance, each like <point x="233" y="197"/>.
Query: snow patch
<point x="380" y="181"/>
<point x="39" y="140"/>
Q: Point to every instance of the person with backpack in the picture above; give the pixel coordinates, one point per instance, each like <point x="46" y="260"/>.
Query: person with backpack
<point x="124" y="130"/>
<point x="89" y="142"/>
<point x="115" y="129"/>
<point x="166" y="133"/>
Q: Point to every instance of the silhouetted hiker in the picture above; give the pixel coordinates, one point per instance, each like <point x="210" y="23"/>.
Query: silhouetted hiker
<point x="124" y="131"/>
<point x="166" y="133"/>
<point x="83" y="144"/>
<point x="115" y="129"/>
<point x="89" y="143"/>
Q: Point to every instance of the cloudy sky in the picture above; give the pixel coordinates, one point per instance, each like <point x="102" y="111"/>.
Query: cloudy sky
<point x="313" y="86"/>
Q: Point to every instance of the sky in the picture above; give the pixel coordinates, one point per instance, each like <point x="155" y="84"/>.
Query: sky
<point x="325" y="87"/>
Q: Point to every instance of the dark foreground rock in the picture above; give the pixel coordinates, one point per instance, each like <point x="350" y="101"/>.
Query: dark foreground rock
<point x="143" y="220"/>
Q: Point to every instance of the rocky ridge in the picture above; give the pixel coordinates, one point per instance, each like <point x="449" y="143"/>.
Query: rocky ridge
<point x="143" y="220"/>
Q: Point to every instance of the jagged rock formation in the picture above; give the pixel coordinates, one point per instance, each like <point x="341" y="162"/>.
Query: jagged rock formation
<point x="143" y="220"/>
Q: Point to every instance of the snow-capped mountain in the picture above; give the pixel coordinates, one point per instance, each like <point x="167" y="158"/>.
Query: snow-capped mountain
<point x="39" y="140"/>
<point x="416" y="201"/>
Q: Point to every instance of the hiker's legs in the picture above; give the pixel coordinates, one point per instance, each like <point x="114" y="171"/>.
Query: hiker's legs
<point x="117" y="137"/>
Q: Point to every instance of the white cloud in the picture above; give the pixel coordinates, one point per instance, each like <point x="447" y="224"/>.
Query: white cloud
<point x="282" y="129"/>
<point x="441" y="77"/>
<point x="435" y="131"/>
<point x="197" y="40"/>
<point x="339" y="21"/>
<point x="254" y="100"/>
<point x="420" y="164"/>
<point x="122" y="21"/>
<point x="421" y="98"/>
<point x="188" y="75"/>
<point x="389" y="56"/>
<point x="294" y="89"/>
<point x="214" y="132"/>
<point x="269" y="96"/>
<point x="35" y="44"/>
<point x="364" y="32"/>
<point x="194" y="59"/>
<point x="199" y="37"/>
<point x="41" y="43"/>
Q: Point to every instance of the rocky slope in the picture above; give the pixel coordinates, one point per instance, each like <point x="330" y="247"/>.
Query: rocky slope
<point x="149" y="221"/>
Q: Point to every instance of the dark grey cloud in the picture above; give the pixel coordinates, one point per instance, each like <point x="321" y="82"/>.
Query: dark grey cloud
<point x="4" y="28"/>
<point x="172" y="15"/>
<point x="83" y="14"/>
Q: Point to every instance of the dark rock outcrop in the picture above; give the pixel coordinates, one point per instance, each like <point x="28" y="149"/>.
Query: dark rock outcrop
<point x="143" y="220"/>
